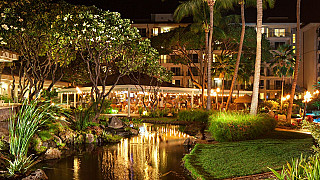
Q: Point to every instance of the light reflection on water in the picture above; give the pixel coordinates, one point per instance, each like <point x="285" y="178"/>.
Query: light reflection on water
<point x="154" y="154"/>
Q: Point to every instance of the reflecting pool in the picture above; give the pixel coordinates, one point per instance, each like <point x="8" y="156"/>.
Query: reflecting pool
<point x="155" y="154"/>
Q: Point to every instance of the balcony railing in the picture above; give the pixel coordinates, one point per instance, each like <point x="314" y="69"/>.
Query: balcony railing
<point x="279" y="35"/>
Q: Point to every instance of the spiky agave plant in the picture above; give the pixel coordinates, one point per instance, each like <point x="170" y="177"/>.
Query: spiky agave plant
<point x="22" y="127"/>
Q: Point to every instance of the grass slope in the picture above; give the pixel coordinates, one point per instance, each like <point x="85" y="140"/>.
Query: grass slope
<point x="234" y="159"/>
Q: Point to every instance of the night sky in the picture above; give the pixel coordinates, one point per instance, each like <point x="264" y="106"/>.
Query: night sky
<point x="141" y="9"/>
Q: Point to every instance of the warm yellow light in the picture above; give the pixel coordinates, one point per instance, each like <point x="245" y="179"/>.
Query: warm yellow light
<point x="307" y="97"/>
<point x="288" y="96"/>
<point x="218" y="89"/>
<point x="144" y="113"/>
<point x="78" y="90"/>
<point x="211" y="91"/>
<point x="214" y="93"/>
<point x="316" y="92"/>
<point x="283" y="99"/>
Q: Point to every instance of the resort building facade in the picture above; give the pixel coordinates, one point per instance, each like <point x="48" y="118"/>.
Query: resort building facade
<point x="270" y="85"/>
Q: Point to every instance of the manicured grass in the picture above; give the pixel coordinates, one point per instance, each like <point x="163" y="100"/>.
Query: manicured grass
<point x="234" y="159"/>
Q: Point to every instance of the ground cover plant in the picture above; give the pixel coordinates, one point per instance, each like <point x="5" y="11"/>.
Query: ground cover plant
<point x="239" y="126"/>
<point x="233" y="159"/>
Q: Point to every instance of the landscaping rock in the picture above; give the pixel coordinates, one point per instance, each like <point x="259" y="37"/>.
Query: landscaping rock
<point x="53" y="153"/>
<point x="134" y="131"/>
<point x="190" y="141"/>
<point x="67" y="136"/>
<point x="90" y="138"/>
<point x="115" y="123"/>
<point x="37" y="175"/>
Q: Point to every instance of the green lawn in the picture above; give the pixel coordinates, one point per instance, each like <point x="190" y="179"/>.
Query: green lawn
<point x="234" y="159"/>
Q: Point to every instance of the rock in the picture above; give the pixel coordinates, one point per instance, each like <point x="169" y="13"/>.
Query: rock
<point x="134" y="131"/>
<point x="67" y="136"/>
<point x="190" y="141"/>
<point x="90" y="138"/>
<point x="53" y="153"/>
<point x="115" y="123"/>
<point x="39" y="174"/>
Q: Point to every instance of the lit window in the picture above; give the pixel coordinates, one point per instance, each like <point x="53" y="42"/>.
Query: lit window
<point x="164" y="58"/>
<point x="279" y="32"/>
<point x="164" y="30"/>
<point x="155" y="31"/>
<point x="293" y="38"/>
<point x="294" y="49"/>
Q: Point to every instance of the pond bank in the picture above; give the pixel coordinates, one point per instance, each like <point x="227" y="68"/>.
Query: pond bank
<point x="244" y="158"/>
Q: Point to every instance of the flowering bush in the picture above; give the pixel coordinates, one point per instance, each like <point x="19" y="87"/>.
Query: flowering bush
<point x="239" y="126"/>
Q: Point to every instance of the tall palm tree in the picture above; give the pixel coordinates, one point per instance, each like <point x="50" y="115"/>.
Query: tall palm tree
<point x="223" y="4"/>
<point x="283" y="64"/>
<point x="296" y="69"/>
<point x="255" y="91"/>
<point x="243" y="28"/>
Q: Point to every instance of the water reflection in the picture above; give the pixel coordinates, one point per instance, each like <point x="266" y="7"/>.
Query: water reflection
<point x="154" y="154"/>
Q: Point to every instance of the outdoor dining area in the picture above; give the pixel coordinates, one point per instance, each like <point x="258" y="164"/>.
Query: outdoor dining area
<point x="130" y="99"/>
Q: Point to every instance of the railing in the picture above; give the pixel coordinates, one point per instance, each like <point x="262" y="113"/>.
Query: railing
<point x="279" y="35"/>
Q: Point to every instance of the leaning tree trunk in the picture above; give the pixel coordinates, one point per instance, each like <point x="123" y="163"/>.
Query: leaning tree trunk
<point x="222" y="92"/>
<point x="255" y="91"/>
<point x="243" y="29"/>
<point x="211" y="4"/>
<point x="296" y="68"/>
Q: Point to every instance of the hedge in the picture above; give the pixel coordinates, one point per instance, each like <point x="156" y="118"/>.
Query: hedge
<point x="239" y="126"/>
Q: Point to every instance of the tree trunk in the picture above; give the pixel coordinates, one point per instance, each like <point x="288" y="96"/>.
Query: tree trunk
<point x="211" y="4"/>
<point x="255" y="91"/>
<point x="222" y="92"/>
<point x="205" y="68"/>
<point x="281" y="99"/>
<point x="296" y="68"/>
<point x="243" y="29"/>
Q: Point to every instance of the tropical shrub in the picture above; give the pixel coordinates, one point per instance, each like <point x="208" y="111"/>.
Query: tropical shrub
<point x="82" y="119"/>
<point x="22" y="127"/>
<point x="239" y="126"/>
<point x="194" y="115"/>
<point x="300" y="168"/>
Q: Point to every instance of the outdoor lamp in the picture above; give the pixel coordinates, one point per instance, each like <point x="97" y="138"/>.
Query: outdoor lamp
<point x="307" y="98"/>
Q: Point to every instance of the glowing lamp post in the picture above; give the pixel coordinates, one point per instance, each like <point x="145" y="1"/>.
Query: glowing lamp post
<point x="307" y="98"/>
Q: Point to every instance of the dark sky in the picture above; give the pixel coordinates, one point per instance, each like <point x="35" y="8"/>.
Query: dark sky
<point x="141" y="9"/>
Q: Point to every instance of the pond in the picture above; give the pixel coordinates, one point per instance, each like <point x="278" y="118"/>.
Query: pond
<point x="155" y="154"/>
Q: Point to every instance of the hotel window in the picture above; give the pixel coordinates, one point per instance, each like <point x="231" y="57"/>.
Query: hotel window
<point x="293" y="38"/>
<point x="143" y="32"/>
<point x="164" y="59"/>
<point x="164" y="30"/>
<point x="176" y="71"/>
<point x="177" y="82"/>
<point x="279" y="32"/>
<point x="261" y="85"/>
<point x="194" y="58"/>
<point x="155" y="31"/>
<point x="294" y="49"/>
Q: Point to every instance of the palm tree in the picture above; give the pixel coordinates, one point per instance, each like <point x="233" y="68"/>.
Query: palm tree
<point x="243" y="28"/>
<point x="255" y="91"/>
<point x="223" y="67"/>
<point x="296" y="69"/>
<point x="190" y="5"/>
<point x="283" y="64"/>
